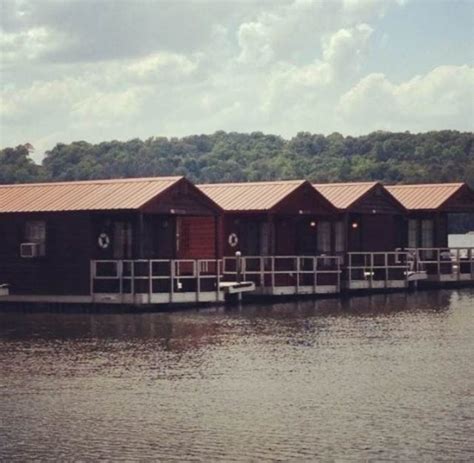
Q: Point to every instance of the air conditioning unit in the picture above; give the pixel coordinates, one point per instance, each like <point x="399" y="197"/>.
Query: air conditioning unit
<point x="29" y="250"/>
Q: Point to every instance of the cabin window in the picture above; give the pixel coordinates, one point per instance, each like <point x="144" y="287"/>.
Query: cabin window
<point x="427" y="236"/>
<point x="413" y="233"/>
<point x="339" y="244"/>
<point x="35" y="232"/>
<point x="265" y="238"/>
<point x="251" y="235"/>
<point x="324" y="237"/>
<point x="122" y="240"/>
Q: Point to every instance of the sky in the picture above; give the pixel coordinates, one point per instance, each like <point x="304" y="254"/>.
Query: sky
<point x="102" y="70"/>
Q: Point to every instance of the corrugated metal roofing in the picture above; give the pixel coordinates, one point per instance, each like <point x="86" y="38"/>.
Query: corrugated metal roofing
<point x="343" y="195"/>
<point x="424" y="196"/>
<point x="251" y="196"/>
<point x="91" y="195"/>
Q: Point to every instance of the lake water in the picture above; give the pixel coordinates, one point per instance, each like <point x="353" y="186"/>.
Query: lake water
<point x="380" y="378"/>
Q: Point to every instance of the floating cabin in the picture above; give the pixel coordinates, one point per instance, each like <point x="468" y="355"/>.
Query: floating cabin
<point x="151" y="241"/>
<point x="425" y="230"/>
<point x="281" y="229"/>
<point x="108" y="241"/>
<point x="366" y="233"/>
<point x="368" y="217"/>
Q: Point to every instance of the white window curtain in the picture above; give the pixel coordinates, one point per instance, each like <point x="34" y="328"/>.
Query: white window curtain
<point x="427" y="237"/>
<point x="35" y="232"/>
<point x="413" y="233"/>
<point x="324" y="237"/>
<point x="339" y="244"/>
<point x="122" y="240"/>
<point x="427" y="233"/>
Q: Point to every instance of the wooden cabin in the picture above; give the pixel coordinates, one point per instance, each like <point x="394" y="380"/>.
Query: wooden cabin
<point x="73" y="241"/>
<point x="366" y="234"/>
<point x="428" y="208"/>
<point x="368" y="216"/>
<point x="272" y="218"/>
<point x="287" y="222"/>
<point x="425" y="230"/>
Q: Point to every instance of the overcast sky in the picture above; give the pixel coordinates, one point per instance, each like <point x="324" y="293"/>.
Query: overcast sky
<point x="101" y="70"/>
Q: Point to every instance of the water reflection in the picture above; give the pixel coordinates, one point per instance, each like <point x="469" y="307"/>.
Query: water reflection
<point x="385" y="377"/>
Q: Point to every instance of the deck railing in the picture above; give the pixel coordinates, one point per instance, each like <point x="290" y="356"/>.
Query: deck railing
<point x="295" y="274"/>
<point x="149" y="278"/>
<point x="367" y="270"/>
<point x="165" y="280"/>
<point x="449" y="263"/>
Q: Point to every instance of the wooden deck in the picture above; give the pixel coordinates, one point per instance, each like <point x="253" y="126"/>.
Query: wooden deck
<point x="287" y="275"/>
<point x="167" y="281"/>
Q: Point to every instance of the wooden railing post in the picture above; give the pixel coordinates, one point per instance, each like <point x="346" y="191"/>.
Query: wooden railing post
<point x="273" y="272"/>
<point x="197" y="263"/>
<point x="150" y="280"/>
<point x="471" y="261"/>
<point x="172" y="273"/>
<point x="438" y="252"/>
<point x="92" y="277"/>
<point x="315" y="274"/>
<point x="297" y="275"/>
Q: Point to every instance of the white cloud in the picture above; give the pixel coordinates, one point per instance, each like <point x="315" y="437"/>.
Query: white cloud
<point x="41" y="100"/>
<point x="344" y="49"/>
<point x="28" y="45"/>
<point x="108" y="109"/>
<point x="175" y="68"/>
<point x="443" y="98"/>
<point x="254" y="43"/>
<point x="161" y="67"/>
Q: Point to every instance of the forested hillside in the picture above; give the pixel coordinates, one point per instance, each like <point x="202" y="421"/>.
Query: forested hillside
<point x="389" y="157"/>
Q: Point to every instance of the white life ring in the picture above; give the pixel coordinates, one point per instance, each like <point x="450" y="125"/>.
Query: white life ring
<point x="233" y="240"/>
<point x="103" y="240"/>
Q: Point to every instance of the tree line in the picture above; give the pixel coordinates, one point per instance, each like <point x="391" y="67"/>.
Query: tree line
<point x="439" y="156"/>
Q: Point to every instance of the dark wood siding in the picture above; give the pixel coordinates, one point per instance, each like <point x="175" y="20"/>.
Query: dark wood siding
<point x="247" y="227"/>
<point x="378" y="233"/>
<point x="305" y="200"/>
<point x="377" y="201"/>
<point x="159" y="237"/>
<point x="285" y="243"/>
<point x="182" y="199"/>
<point x="64" y="270"/>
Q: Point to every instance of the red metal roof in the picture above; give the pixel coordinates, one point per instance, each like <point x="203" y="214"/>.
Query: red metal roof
<point x="250" y="196"/>
<point x="424" y="196"/>
<point x="343" y="195"/>
<point x="91" y="195"/>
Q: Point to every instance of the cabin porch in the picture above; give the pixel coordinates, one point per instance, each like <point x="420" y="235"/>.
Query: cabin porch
<point x="156" y="281"/>
<point x="445" y="264"/>
<point x="378" y="271"/>
<point x="286" y="275"/>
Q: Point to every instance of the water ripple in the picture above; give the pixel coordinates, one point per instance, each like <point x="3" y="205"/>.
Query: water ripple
<point x="381" y="378"/>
